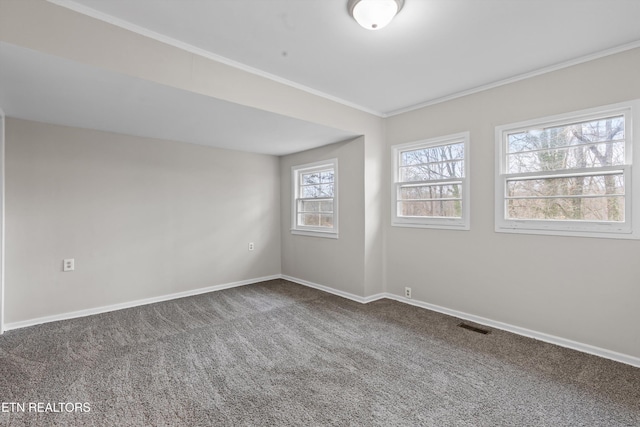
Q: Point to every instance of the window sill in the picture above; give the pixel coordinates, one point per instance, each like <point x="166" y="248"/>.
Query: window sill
<point x="312" y="233"/>
<point x="599" y="234"/>
<point x="433" y="225"/>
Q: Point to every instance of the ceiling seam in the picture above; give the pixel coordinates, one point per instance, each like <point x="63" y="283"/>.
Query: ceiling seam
<point x="92" y="13"/>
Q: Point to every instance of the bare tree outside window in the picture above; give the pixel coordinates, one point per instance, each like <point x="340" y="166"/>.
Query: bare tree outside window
<point x="431" y="185"/>
<point x="567" y="172"/>
<point x="314" y="210"/>
<point x="315" y="205"/>
<point x="430" y="180"/>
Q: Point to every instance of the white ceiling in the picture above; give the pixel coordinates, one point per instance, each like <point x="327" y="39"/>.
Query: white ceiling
<point x="432" y="50"/>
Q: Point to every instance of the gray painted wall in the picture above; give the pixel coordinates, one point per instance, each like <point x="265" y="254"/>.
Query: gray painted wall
<point x="158" y="62"/>
<point x="337" y="263"/>
<point x="581" y="289"/>
<point x="142" y="218"/>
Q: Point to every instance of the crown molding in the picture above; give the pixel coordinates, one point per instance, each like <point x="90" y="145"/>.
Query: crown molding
<point x="538" y="72"/>
<point x="101" y="16"/>
<point x="79" y="8"/>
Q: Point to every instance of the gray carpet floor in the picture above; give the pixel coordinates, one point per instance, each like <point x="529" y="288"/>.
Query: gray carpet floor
<point x="277" y="353"/>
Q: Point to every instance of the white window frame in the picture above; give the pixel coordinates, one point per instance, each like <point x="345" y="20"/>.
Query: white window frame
<point x="296" y="171"/>
<point x="601" y="229"/>
<point x="462" y="223"/>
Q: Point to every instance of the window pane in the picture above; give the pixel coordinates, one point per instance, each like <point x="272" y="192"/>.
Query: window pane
<point x="581" y="156"/>
<point x="591" y="185"/>
<point x="316" y="191"/>
<point x="315" y="206"/>
<point x="326" y="176"/>
<point x="310" y="178"/>
<point x="577" y="208"/>
<point x="417" y="192"/>
<point x="445" y="208"/>
<point x="326" y="220"/>
<point x="426" y="172"/>
<point x="589" y="144"/>
<point x="432" y="154"/>
<point x="326" y="206"/>
<point x="308" y="219"/>
<point x="315" y="220"/>
<point x="592" y="131"/>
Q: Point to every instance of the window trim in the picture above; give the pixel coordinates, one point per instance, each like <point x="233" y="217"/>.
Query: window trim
<point x="462" y="223"/>
<point x="598" y="229"/>
<point x="330" y="233"/>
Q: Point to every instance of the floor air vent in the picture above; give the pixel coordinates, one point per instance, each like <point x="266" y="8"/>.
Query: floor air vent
<point x="474" y="329"/>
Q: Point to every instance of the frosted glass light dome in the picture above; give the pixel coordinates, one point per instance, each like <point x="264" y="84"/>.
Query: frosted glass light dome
<point x="374" y="14"/>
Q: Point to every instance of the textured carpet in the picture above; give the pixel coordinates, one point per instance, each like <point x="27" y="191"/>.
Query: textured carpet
<point x="277" y="353"/>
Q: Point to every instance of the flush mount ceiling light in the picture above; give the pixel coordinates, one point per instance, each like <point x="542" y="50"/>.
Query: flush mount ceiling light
<point x="374" y="14"/>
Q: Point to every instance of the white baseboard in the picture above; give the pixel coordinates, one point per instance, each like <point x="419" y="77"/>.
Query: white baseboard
<point x="326" y="289"/>
<point x="129" y="304"/>
<point x="551" y="339"/>
<point x="375" y="297"/>
<point x="562" y="342"/>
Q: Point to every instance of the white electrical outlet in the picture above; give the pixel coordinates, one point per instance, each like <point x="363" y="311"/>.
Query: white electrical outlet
<point x="407" y="292"/>
<point x="251" y="246"/>
<point x="69" y="264"/>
